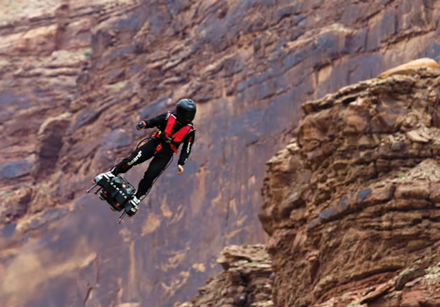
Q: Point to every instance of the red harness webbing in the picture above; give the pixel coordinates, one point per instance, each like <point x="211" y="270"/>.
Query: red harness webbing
<point x="176" y="137"/>
<point x="179" y="135"/>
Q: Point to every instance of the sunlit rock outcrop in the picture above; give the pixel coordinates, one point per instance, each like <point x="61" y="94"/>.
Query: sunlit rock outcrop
<point x="352" y="203"/>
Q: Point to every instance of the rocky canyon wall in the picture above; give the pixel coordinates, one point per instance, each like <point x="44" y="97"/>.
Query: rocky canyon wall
<point x="351" y="204"/>
<point x="77" y="76"/>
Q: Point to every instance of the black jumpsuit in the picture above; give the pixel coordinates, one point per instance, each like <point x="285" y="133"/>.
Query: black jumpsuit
<point x="160" y="158"/>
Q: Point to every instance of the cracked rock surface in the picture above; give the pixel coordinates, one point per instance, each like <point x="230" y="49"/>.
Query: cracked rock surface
<point x="75" y="77"/>
<point x="352" y="203"/>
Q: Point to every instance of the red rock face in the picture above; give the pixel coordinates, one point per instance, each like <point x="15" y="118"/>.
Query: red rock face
<point x="245" y="281"/>
<point x="75" y="78"/>
<point x="351" y="204"/>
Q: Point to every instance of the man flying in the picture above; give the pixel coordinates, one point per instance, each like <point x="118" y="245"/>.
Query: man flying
<point x="174" y="128"/>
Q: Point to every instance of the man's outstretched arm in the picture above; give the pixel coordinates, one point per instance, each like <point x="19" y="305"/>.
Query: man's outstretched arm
<point x="152" y="122"/>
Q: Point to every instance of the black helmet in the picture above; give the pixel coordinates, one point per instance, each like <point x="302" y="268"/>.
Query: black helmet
<point x="185" y="111"/>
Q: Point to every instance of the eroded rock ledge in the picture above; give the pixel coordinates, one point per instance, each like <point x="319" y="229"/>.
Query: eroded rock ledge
<point x="245" y="281"/>
<point x="352" y="203"/>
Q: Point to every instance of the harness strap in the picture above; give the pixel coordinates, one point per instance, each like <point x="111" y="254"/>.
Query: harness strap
<point x="174" y="139"/>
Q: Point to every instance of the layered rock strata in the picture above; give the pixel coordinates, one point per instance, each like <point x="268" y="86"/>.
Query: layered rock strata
<point x="246" y="279"/>
<point x="352" y="203"/>
<point x="76" y="77"/>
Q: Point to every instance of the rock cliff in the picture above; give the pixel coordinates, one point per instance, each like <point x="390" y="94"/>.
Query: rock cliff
<point x="75" y="78"/>
<point x="245" y="281"/>
<point x="351" y="204"/>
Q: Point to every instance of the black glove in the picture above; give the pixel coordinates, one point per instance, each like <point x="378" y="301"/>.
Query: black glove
<point x="141" y="125"/>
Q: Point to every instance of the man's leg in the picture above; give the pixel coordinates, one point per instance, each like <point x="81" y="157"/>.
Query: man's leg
<point x="157" y="165"/>
<point x="140" y="155"/>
